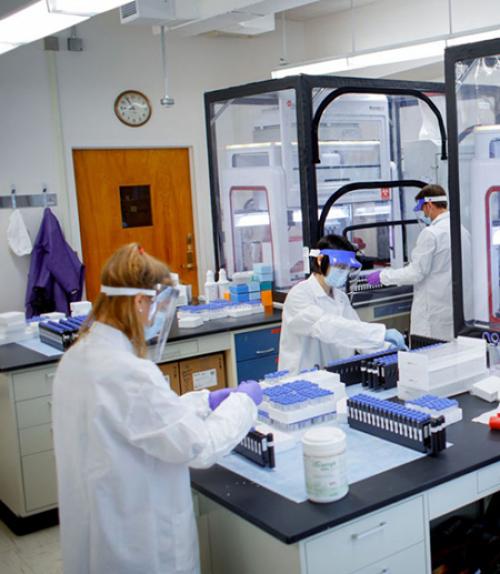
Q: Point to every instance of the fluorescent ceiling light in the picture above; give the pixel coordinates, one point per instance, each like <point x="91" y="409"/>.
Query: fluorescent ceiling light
<point x="316" y="69"/>
<point x="83" y="7"/>
<point x="404" y="54"/>
<point x="32" y="23"/>
<point x="490" y="35"/>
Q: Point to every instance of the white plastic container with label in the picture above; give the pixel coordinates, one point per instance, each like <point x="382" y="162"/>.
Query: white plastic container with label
<point x="325" y="465"/>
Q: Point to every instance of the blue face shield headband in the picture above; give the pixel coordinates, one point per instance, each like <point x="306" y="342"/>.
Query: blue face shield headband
<point x="338" y="257"/>
<point x="421" y="202"/>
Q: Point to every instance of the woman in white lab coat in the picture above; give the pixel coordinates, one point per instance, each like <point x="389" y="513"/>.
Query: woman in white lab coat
<point x="124" y="441"/>
<point x="319" y="324"/>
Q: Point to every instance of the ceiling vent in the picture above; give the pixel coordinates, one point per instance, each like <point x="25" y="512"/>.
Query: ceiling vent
<point x="157" y="12"/>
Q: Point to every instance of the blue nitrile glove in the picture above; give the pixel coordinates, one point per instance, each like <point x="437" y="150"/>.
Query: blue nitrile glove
<point x="394" y="337"/>
<point x="252" y="389"/>
<point x="215" y="398"/>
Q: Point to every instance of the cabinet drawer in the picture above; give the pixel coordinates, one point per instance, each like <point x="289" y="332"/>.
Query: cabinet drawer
<point x="36" y="439"/>
<point x="34" y="412"/>
<point x="452" y="495"/>
<point x="410" y="561"/>
<point x="33" y="384"/>
<point x="40" y="482"/>
<point x="488" y="478"/>
<point x="257" y="344"/>
<point x="255" y="369"/>
<point x="363" y="542"/>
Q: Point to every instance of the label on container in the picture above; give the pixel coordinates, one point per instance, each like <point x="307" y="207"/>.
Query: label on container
<point x="326" y="477"/>
<point x="204" y="379"/>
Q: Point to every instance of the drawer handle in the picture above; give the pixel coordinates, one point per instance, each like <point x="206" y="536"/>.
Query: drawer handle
<point x="367" y="533"/>
<point x="265" y="351"/>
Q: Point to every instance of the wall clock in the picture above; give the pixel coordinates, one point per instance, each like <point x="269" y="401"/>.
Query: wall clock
<point x="133" y="108"/>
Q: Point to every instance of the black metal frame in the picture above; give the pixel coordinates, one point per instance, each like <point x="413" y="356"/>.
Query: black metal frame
<point x="303" y="86"/>
<point x="452" y="56"/>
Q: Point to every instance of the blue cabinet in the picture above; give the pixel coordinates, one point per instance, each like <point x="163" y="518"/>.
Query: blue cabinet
<point x="257" y="353"/>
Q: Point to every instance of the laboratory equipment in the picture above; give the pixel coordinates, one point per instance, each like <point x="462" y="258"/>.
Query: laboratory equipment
<point x="397" y="423"/>
<point x="223" y="284"/>
<point x="443" y="369"/>
<point x="295" y="403"/>
<point x="211" y="288"/>
<point x="437" y="406"/>
<point x="352" y="370"/>
<point x="473" y="101"/>
<point x="258" y="448"/>
<point x="487" y="389"/>
<point x="13" y="327"/>
<point x="62" y="333"/>
<point x="325" y="465"/>
<point x="79" y="308"/>
<point x="280" y="149"/>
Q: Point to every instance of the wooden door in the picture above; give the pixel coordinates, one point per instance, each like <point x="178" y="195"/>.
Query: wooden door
<point x="141" y="195"/>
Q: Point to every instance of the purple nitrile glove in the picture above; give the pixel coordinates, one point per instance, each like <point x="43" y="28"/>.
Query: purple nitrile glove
<point x="215" y="398"/>
<point x="374" y="278"/>
<point x="252" y="389"/>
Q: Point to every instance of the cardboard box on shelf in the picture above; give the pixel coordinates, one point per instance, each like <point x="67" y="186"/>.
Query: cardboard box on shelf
<point x="206" y="372"/>
<point x="171" y="374"/>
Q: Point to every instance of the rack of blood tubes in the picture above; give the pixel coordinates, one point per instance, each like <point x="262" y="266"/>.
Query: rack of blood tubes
<point x="258" y="448"/>
<point x="397" y="423"/>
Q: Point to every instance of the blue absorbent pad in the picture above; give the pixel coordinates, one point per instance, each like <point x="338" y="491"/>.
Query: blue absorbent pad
<point x="42" y="348"/>
<point x="367" y="455"/>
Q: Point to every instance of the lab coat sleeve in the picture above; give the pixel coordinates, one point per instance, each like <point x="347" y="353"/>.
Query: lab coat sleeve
<point x="305" y="318"/>
<point x="419" y="266"/>
<point x="172" y="429"/>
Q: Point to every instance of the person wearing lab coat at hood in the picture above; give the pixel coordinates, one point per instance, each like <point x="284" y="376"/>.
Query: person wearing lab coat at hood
<point x="429" y="270"/>
<point x="319" y="324"/>
<point x="124" y="441"/>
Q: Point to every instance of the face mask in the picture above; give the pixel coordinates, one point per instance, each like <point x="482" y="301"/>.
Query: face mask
<point x="425" y="219"/>
<point x="336" y="277"/>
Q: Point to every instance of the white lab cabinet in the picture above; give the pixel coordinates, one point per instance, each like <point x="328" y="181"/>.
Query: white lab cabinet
<point x="28" y="477"/>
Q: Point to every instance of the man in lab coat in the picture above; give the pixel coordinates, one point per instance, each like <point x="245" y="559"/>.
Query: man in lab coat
<point x="319" y="324"/>
<point x="429" y="270"/>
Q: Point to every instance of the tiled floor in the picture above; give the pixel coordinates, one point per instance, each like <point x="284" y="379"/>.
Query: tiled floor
<point x="37" y="553"/>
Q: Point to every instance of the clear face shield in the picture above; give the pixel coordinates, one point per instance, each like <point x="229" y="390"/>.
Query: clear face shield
<point x="419" y="207"/>
<point x="343" y="267"/>
<point x="161" y="312"/>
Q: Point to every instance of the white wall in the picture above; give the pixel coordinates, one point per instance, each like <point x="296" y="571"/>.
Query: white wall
<point x="391" y="22"/>
<point x="33" y="139"/>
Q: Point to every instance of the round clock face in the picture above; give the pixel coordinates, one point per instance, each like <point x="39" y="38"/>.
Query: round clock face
<point x="133" y="108"/>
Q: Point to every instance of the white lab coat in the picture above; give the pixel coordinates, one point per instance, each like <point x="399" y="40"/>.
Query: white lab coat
<point x="429" y="271"/>
<point x="317" y="328"/>
<point x="123" y="443"/>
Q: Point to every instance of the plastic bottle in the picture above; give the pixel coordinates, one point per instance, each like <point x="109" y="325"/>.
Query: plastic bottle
<point x="223" y="284"/>
<point x="325" y="464"/>
<point x="211" y="290"/>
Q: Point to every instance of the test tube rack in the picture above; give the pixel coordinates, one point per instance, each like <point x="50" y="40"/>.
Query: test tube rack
<point x="297" y="404"/>
<point x="350" y="369"/>
<point x="60" y="334"/>
<point x="258" y="447"/>
<point x="397" y="423"/>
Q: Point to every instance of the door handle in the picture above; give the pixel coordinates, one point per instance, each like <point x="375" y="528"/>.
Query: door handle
<point x="189" y="253"/>
<point x="367" y="533"/>
<point x="265" y="351"/>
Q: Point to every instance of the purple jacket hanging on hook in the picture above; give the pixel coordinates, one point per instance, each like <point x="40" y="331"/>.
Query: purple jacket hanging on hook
<point x="56" y="274"/>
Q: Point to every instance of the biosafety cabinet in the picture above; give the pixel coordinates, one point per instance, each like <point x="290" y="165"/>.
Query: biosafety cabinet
<point x="293" y="159"/>
<point x="473" y="103"/>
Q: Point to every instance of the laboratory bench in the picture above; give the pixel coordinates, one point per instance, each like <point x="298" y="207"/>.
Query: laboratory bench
<point x="226" y="351"/>
<point x="382" y="525"/>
